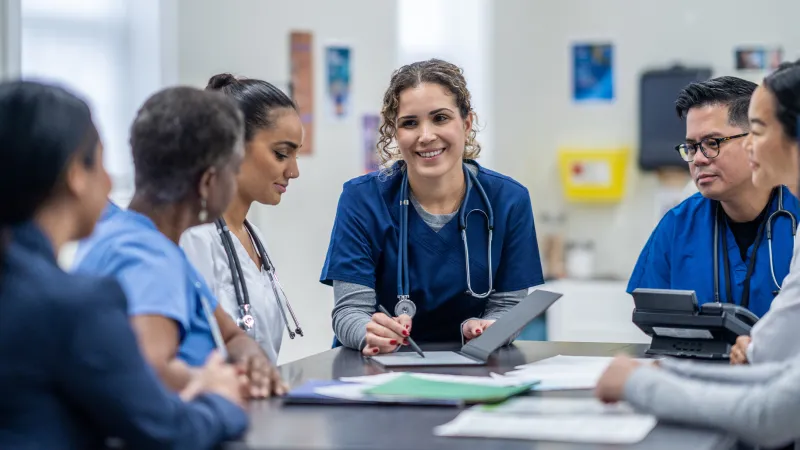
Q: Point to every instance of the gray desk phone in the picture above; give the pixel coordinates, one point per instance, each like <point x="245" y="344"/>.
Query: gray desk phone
<point x="682" y="329"/>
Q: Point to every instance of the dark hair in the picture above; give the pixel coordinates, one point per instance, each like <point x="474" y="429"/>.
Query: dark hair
<point x="443" y="73"/>
<point x="42" y="128"/>
<point x="732" y="92"/>
<point x="256" y="98"/>
<point x="177" y="135"/>
<point x="784" y="84"/>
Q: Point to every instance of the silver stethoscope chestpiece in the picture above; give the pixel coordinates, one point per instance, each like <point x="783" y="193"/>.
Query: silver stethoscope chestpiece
<point x="405" y="306"/>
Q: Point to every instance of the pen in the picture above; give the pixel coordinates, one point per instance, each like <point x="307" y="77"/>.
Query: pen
<point x="410" y="341"/>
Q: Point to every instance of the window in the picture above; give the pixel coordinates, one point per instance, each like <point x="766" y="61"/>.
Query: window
<point x="95" y="48"/>
<point x="457" y="31"/>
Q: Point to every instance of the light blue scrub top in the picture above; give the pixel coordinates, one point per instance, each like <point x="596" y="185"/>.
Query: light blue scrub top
<point x="679" y="254"/>
<point x="154" y="273"/>
<point x="363" y="250"/>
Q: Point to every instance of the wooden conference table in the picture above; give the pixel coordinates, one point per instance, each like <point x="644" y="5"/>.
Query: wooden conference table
<point x="305" y="427"/>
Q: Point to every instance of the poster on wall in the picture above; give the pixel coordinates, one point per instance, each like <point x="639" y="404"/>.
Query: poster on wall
<point x="369" y="139"/>
<point x="758" y="58"/>
<point x="301" y="86"/>
<point x="337" y="81"/>
<point x="593" y="72"/>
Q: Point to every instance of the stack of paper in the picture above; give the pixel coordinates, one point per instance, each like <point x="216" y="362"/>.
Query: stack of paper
<point x="546" y="419"/>
<point x="480" y="390"/>
<point x="409" y="388"/>
<point x="561" y="372"/>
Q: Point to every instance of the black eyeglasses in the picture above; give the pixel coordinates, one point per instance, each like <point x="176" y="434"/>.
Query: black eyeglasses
<point x="709" y="147"/>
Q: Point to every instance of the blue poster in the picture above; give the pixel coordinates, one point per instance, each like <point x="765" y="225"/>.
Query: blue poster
<point x="337" y="62"/>
<point x="593" y="72"/>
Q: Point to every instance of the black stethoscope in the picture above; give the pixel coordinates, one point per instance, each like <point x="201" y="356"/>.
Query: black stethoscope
<point x="245" y="320"/>
<point x="404" y="303"/>
<point x="766" y="224"/>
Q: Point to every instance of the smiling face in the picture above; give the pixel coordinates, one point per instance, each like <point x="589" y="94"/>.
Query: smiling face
<point x="271" y="158"/>
<point x="725" y="176"/>
<point x="431" y="134"/>
<point x="773" y="155"/>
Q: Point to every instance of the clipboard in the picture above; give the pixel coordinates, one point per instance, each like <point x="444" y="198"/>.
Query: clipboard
<point x="476" y="352"/>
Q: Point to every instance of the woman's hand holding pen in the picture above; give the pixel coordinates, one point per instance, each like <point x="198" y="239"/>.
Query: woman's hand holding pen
<point x="385" y="334"/>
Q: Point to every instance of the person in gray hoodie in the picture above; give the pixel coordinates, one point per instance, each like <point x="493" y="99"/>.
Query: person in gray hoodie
<point x="760" y="403"/>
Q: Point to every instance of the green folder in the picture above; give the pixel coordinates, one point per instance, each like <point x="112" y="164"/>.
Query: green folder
<point x="410" y="386"/>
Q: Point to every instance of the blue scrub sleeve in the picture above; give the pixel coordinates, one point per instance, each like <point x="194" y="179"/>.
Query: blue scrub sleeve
<point x="349" y="257"/>
<point x="652" y="269"/>
<point x="154" y="283"/>
<point x="104" y="375"/>
<point x="520" y="266"/>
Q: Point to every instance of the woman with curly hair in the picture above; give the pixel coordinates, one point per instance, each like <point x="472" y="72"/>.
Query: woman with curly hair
<point x="403" y="235"/>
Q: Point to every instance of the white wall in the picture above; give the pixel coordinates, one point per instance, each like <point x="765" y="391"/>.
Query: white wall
<point x="9" y="38"/>
<point x="251" y="38"/>
<point x="468" y="45"/>
<point x="534" y="114"/>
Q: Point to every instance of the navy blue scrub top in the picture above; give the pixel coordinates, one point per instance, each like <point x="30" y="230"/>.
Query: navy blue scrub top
<point x="364" y="243"/>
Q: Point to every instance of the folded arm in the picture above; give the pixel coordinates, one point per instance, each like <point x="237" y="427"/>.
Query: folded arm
<point x="104" y="375"/>
<point x="760" y="414"/>
<point x="757" y="374"/>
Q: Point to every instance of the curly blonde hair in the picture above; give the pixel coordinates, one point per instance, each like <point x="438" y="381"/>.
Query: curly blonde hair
<point x="443" y="73"/>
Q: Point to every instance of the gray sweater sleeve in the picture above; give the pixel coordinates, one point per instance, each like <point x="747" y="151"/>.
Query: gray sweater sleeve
<point x="756" y="374"/>
<point x="763" y="413"/>
<point x="353" y="308"/>
<point x="774" y="336"/>
<point x="500" y="302"/>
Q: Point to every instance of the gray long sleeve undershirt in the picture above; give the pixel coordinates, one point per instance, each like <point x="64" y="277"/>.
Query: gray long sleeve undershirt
<point x="355" y="304"/>
<point x="759" y="404"/>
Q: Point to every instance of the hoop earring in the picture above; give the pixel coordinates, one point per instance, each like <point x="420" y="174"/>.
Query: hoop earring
<point x="202" y="216"/>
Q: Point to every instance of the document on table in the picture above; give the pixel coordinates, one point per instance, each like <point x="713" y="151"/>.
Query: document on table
<point x="562" y="420"/>
<point x="556" y="406"/>
<point x="562" y="372"/>
<point x="382" y="378"/>
<point x="582" y="361"/>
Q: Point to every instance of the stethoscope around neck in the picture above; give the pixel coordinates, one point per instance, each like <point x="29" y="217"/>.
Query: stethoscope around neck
<point x="404" y="303"/>
<point x="246" y="320"/>
<point x="765" y="227"/>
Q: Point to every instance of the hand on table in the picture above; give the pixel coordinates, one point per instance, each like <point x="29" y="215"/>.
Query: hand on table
<point x="474" y="328"/>
<point x="611" y="385"/>
<point x="739" y="350"/>
<point x="217" y="377"/>
<point x="263" y="378"/>
<point x="385" y="334"/>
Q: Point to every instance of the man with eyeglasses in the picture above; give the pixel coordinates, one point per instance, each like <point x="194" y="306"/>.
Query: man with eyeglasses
<point x="681" y="251"/>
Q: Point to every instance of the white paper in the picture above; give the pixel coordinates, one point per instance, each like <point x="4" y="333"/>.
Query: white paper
<point x="583" y="361"/>
<point x="563" y="372"/>
<point x="557" y="377"/>
<point x="483" y="381"/>
<point x="372" y="380"/>
<point x="602" y="429"/>
<point x="557" y="406"/>
<point x="430" y="359"/>
<point x="344" y="391"/>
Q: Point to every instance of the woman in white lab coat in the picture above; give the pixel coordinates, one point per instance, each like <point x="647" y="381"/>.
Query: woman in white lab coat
<point x="231" y="253"/>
